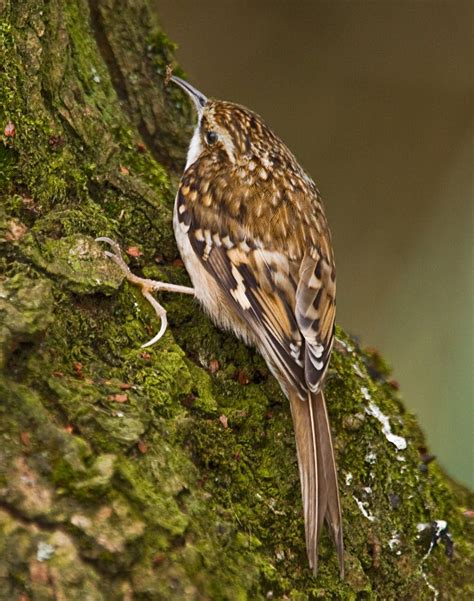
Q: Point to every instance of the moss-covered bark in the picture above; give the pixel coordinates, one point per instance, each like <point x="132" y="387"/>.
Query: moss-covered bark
<point x="171" y="473"/>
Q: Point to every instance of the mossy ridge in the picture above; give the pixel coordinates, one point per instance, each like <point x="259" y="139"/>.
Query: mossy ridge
<point x="189" y="486"/>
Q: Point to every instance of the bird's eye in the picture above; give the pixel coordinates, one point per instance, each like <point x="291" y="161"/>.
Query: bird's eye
<point x="211" y="137"/>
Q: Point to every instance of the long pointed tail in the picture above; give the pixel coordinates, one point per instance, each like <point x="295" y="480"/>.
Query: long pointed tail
<point x="318" y="474"/>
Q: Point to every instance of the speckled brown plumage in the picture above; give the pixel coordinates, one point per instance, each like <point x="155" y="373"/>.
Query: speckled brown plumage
<point x="252" y="232"/>
<point x="246" y="200"/>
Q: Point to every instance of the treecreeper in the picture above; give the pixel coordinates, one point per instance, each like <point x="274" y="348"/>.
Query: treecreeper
<point x="251" y="230"/>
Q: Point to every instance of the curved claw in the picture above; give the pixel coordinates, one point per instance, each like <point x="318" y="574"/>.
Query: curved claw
<point x="161" y="314"/>
<point x="116" y="256"/>
<point x="112" y="243"/>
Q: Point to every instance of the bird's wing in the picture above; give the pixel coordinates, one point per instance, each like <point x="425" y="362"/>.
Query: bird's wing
<point x="315" y="312"/>
<point x="282" y="299"/>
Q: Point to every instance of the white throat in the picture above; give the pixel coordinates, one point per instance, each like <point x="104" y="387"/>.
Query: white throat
<point x="195" y="146"/>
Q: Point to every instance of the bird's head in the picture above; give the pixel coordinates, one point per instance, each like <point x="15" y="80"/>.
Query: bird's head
<point x="229" y="132"/>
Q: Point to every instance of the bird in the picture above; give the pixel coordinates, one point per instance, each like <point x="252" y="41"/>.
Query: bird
<point x="251" y="230"/>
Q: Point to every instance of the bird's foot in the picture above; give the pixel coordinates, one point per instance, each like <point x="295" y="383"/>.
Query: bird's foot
<point x="146" y="286"/>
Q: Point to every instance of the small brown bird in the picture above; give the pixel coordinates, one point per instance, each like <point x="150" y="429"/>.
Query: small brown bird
<point x="252" y="233"/>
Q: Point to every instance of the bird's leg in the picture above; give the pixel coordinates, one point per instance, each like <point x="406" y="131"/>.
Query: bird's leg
<point x="146" y="286"/>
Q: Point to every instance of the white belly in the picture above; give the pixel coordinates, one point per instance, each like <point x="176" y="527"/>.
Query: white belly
<point x="205" y="288"/>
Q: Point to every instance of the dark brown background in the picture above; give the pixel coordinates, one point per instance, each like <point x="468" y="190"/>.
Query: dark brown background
<point x="375" y="99"/>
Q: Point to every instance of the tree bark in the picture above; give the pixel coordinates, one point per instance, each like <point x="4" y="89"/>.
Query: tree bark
<point x="168" y="473"/>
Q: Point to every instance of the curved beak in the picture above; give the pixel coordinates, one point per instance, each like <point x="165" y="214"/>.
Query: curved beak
<point x="195" y="95"/>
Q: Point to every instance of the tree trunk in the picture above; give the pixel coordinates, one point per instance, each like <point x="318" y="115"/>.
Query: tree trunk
<point x="168" y="473"/>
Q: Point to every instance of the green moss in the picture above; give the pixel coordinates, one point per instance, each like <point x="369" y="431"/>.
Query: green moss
<point x="25" y="309"/>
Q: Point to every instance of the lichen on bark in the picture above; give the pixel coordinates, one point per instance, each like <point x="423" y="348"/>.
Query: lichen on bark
<point x="168" y="473"/>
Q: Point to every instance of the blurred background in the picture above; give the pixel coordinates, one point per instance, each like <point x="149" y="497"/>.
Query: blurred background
<point x="376" y="101"/>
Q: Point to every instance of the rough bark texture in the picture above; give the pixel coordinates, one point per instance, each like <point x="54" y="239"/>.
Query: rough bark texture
<point x="171" y="473"/>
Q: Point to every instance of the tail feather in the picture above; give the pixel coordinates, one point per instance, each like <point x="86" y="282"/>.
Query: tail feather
<point x="326" y="452"/>
<point x="318" y="474"/>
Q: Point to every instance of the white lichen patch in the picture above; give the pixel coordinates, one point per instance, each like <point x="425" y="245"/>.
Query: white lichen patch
<point x="363" y="510"/>
<point x="370" y="458"/>
<point x="399" y="442"/>
<point x="349" y="477"/>
<point x="358" y="370"/>
<point x="366" y="393"/>
<point x="44" y="551"/>
<point x="429" y="585"/>
<point x="348" y="348"/>
<point x="394" y="543"/>
<point x="441" y="525"/>
<point x="95" y="75"/>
